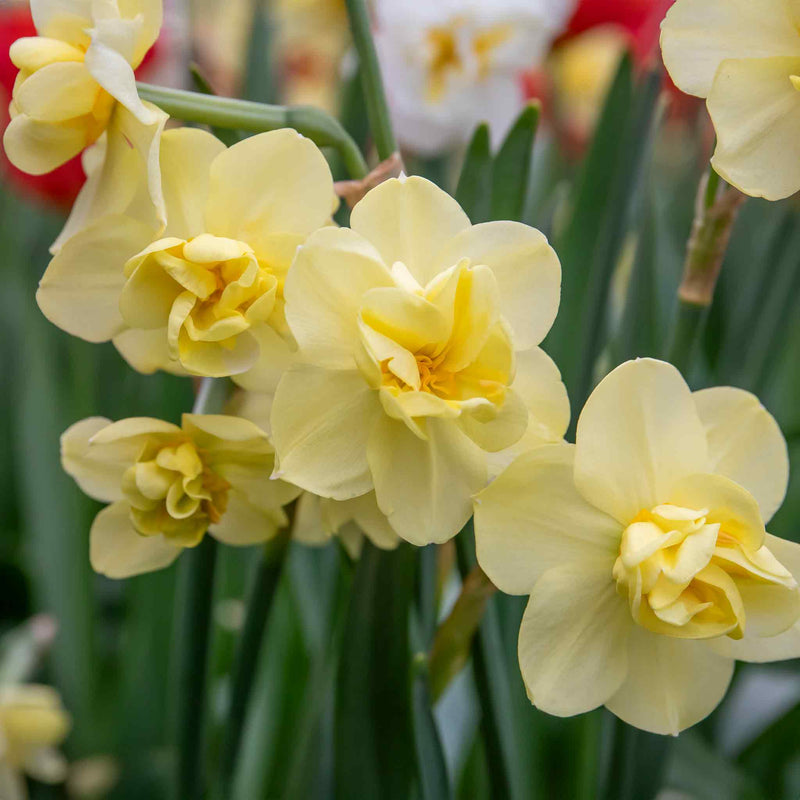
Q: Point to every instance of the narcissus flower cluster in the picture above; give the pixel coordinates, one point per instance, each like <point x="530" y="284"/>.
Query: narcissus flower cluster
<point x="394" y="366"/>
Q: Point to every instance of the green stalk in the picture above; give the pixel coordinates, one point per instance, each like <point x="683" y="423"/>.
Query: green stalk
<point x="247" y="658"/>
<point x="687" y="328"/>
<point x="194" y="604"/>
<point x="244" y="115"/>
<point x="371" y="81"/>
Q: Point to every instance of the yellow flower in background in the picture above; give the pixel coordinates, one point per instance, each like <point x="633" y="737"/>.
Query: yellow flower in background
<point x="33" y="723"/>
<point x="417" y="336"/>
<point x="168" y="485"/>
<point x="644" y="551"/>
<point x="207" y="296"/>
<point x="72" y="74"/>
<point x="318" y="519"/>
<point x="743" y="56"/>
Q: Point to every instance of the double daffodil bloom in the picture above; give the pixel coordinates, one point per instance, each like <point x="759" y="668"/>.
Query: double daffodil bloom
<point x="73" y="73"/>
<point x="168" y="485"/>
<point x="33" y="723"/>
<point x="206" y="297"/>
<point x="417" y="336"/>
<point x="743" y="56"/>
<point x="644" y="551"/>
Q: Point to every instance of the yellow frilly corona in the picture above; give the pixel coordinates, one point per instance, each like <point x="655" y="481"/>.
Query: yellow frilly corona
<point x="417" y="336"/>
<point x="73" y="74"/>
<point x="743" y="57"/>
<point x="644" y="551"/>
<point x="33" y="723"/>
<point x="203" y="293"/>
<point x="168" y="485"/>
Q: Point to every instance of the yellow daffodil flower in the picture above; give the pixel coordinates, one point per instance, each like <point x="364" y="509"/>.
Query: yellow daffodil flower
<point x="743" y="56"/>
<point x="32" y="725"/>
<point x="644" y="552"/>
<point x="204" y="294"/>
<point x="168" y="485"/>
<point x="73" y="73"/>
<point x="417" y="336"/>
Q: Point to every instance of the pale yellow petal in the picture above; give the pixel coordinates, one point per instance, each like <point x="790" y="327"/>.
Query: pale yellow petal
<point x="409" y="220"/>
<point x="275" y="356"/>
<point x="125" y="180"/>
<point x="330" y="275"/>
<point x="117" y="550"/>
<point x="638" y="434"/>
<point x="696" y="37"/>
<point x="531" y="519"/>
<point x="274" y="182"/>
<point x="109" y="58"/>
<point x="245" y="522"/>
<point x="225" y="435"/>
<point x="425" y="487"/>
<point x="308" y="528"/>
<point x="186" y="157"/>
<point x="218" y="359"/>
<point x="99" y="478"/>
<point x="728" y="504"/>
<point x="572" y="641"/>
<point x="745" y="444"/>
<point x="321" y="421"/>
<point x="504" y="429"/>
<point x="756" y="113"/>
<point x="40" y="147"/>
<point x="367" y="516"/>
<point x="63" y="19"/>
<point x="150" y="14"/>
<point x="80" y="289"/>
<point x="31" y="53"/>
<point x="527" y="270"/>
<point x="672" y="683"/>
<point x="538" y="382"/>
<point x="57" y="92"/>
<point x="147" y="351"/>
<point x="126" y="430"/>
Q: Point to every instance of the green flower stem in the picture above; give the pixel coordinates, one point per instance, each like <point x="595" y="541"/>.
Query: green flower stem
<point x="194" y="602"/>
<point x="716" y="210"/>
<point x="244" y="115"/>
<point x="371" y="81"/>
<point x="266" y="582"/>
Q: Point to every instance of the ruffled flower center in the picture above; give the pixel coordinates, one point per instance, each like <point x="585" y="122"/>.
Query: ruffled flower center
<point x="172" y="491"/>
<point x="207" y="292"/>
<point x="683" y="575"/>
<point x="439" y="351"/>
<point x="69" y="97"/>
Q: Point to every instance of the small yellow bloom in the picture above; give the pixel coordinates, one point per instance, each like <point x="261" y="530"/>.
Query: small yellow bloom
<point x="644" y="552"/>
<point x="168" y="485"/>
<point x="743" y="56"/>
<point x="206" y="297"/>
<point x="72" y="74"/>
<point x="32" y="725"/>
<point x="417" y="336"/>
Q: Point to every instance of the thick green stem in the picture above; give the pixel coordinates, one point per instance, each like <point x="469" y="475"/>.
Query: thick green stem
<point x="371" y="81"/>
<point x="687" y="328"/>
<point x="263" y="592"/>
<point x="194" y="604"/>
<point x="244" y="115"/>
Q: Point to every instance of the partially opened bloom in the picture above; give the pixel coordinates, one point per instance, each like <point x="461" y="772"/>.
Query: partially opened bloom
<point x="644" y="551"/>
<point x="168" y="485"/>
<point x="73" y="73"/>
<point x="417" y="336"/>
<point x="743" y="56"/>
<point x="205" y="293"/>
<point x="33" y="723"/>
<point x="451" y="65"/>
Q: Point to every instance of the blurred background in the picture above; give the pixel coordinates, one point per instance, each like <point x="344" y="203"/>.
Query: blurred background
<point x="613" y="177"/>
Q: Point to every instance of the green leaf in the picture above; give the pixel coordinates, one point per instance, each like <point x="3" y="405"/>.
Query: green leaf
<point x="374" y="749"/>
<point x="434" y="783"/>
<point x="512" y="166"/>
<point x="474" y="189"/>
